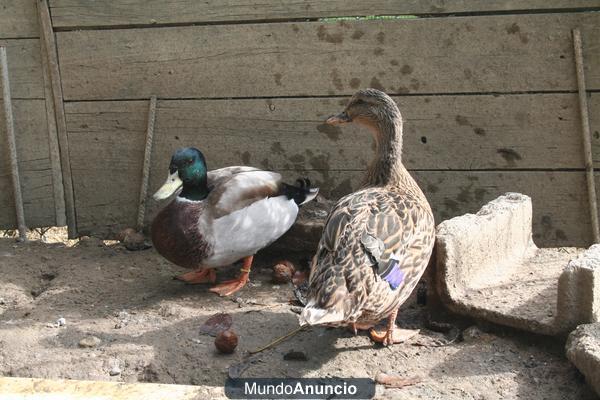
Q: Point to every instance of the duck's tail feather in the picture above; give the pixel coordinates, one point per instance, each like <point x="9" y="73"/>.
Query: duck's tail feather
<point x="313" y="315"/>
<point x="302" y="193"/>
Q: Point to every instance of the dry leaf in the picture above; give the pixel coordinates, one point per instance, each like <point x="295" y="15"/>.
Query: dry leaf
<point x="217" y="323"/>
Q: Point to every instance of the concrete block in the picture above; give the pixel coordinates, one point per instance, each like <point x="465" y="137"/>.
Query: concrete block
<point x="583" y="350"/>
<point x="487" y="266"/>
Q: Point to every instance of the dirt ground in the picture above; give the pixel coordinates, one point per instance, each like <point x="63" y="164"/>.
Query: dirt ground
<point x="148" y="327"/>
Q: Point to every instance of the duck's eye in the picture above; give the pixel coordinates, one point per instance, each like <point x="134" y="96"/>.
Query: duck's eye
<point x="360" y="102"/>
<point x="189" y="161"/>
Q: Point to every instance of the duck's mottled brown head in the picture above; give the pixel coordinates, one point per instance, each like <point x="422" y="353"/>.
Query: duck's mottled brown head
<point x="368" y="107"/>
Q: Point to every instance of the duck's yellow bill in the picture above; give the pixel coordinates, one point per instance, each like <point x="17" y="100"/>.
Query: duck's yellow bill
<point x="169" y="187"/>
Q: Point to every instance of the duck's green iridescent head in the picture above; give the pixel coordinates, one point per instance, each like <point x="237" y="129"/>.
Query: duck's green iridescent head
<point x="187" y="169"/>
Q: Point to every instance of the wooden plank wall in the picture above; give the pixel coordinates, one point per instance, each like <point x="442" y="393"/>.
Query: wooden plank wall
<point x="19" y="33"/>
<point x="488" y="94"/>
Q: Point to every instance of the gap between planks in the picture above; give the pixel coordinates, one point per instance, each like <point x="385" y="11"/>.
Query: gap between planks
<point x="339" y="96"/>
<point x="332" y="18"/>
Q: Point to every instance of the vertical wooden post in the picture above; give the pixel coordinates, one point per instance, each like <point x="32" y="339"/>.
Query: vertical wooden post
<point x="146" y="166"/>
<point x="54" y="148"/>
<point x="47" y="35"/>
<point x="12" y="145"/>
<point x="585" y="130"/>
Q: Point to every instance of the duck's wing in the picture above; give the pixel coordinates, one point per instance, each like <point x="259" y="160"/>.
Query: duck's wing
<point x="375" y="244"/>
<point x="237" y="189"/>
<point x="217" y="176"/>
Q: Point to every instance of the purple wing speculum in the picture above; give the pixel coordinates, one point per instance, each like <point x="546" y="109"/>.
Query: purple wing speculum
<point x="393" y="274"/>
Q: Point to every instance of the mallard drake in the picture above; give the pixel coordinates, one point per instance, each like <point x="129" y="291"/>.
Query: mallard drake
<point x="222" y="216"/>
<point x="377" y="241"/>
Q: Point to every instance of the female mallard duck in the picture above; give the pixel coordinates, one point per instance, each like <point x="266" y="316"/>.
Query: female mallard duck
<point x="221" y="216"/>
<point x="377" y="241"/>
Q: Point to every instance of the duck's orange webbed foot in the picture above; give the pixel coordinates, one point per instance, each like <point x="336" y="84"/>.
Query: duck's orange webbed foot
<point x="227" y="288"/>
<point x="206" y="275"/>
<point x="392" y="334"/>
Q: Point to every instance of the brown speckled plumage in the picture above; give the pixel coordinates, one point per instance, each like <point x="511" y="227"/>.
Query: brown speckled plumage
<point x="387" y="221"/>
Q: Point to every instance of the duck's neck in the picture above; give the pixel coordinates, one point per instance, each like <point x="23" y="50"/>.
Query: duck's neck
<point x="196" y="192"/>
<point x="387" y="169"/>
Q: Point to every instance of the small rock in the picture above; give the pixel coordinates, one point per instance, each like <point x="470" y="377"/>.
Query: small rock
<point x="89" y="342"/>
<point x="61" y="322"/>
<point x="295" y="356"/>
<point x="113" y="367"/>
<point x="136" y="242"/>
<point x="114" y="371"/>
<point x="283" y="272"/>
<point x="133" y="240"/>
<point x="226" y="341"/>
<point x="2" y="301"/>
<point x="471" y="334"/>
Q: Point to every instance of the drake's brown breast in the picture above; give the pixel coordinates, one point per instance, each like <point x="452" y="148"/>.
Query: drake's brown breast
<point x="176" y="236"/>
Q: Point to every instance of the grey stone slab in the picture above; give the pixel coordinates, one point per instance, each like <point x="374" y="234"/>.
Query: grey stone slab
<point x="488" y="267"/>
<point x="583" y="349"/>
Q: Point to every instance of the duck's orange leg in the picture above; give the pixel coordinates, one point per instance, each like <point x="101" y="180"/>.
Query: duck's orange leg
<point x="229" y="287"/>
<point x="206" y="275"/>
<point x="392" y="334"/>
<point x="355" y="327"/>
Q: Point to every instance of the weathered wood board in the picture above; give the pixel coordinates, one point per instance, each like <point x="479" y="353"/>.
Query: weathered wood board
<point x="34" y="166"/>
<point x="106" y="141"/>
<point x="24" y="68"/>
<point x="18" y="19"/>
<point x="507" y="53"/>
<point x="441" y="132"/>
<point x="89" y="13"/>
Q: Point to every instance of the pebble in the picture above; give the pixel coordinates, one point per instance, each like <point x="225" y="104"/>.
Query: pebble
<point x="61" y="322"/>
<point x="471" y="334"/>
<point x="89" y="341"/>
<point x="114" y="368"/>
